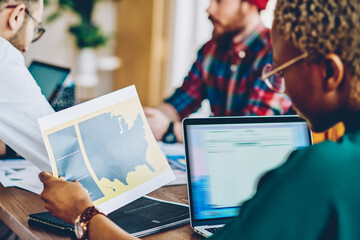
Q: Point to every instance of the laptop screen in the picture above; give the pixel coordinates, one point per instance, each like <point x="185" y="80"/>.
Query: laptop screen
<point x="49" y="78"/>
<point x="227" y="156"/>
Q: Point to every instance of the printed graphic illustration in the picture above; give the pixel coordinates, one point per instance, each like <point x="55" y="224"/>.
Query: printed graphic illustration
<point x="107" y="145"/>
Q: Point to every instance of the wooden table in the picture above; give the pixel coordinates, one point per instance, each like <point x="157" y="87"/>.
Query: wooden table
<point x="17" y="204"/>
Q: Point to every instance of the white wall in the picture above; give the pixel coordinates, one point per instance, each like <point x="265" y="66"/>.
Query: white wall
<point x="57" y="46"/>
<point x="267" y="15"/>
<point x="191" y="30"/>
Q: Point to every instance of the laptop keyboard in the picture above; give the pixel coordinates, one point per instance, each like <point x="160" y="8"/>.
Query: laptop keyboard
<point x="212" y="230"/>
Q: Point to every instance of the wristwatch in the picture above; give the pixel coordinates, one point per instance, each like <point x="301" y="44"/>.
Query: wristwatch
<point x="82" y="222"/>
<point x="169" y="136"/>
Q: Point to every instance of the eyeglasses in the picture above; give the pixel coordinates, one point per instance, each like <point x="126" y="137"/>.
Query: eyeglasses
<point x="39" y="29"/>
<point x="274" y="77"/>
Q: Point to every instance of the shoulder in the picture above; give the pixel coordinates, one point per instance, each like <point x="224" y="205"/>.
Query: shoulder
<point x="13" y="70"/>
<point x="208" y="48"/>
<point x="9" y="54"/>
<point x="311" y="178"/>
<point x="14" y="73"/>
<point x="312" y="184"/>
<point x="12" y="63"/>
<point x="329" y="153"/>
<point x="320" y="169"/>
<point x="325" y="164"/>
<point x="264" y="37"/>
<point x="15" y="78"/>
<point x="261" y="47"/>
<point x="262" y="41"/>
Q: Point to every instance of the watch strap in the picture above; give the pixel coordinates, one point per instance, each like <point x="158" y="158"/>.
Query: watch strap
<point x="85" y="217"/>
<point x="169" y="136"/>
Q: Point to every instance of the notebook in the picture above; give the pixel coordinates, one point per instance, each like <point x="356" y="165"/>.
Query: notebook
<point x="142" y="217"/>
<point x="225" y="158"/>
<point x="50" y="78"/>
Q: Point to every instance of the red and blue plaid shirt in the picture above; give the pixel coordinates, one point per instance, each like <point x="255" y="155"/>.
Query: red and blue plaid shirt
<point x="228" y="75"/>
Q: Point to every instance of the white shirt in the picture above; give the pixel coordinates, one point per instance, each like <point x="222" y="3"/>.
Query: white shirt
<point x="21" y="105"/>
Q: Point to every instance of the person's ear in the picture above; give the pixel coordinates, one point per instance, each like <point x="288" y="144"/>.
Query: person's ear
<point x="16" y="17"/>
<point x="333" y="72"/>
<point x="247" y="7"/>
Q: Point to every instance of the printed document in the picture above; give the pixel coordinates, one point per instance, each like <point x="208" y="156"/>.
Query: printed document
<point x="107" y="145"/>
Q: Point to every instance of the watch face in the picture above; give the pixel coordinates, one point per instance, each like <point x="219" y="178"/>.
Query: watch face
<point x="170" y="138"/>
<point x="79" y="231"/>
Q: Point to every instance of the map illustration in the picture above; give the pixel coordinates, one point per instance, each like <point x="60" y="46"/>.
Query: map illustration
<point x="120" y="145"/>
<point x="110" y="150"/>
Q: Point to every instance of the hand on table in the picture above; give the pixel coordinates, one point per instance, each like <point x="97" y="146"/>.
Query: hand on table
<point x="64" y="200"/>
<point x="158" y="122"/>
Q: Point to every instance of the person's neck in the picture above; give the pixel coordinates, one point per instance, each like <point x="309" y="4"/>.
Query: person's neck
<point x="352" y="122"/>
<point x="250" y="24"/>
<point x="4" y="34"/>
<point x="3" y="37"/>
<point x="350" y="104"/>
<point x="3" y="25"/>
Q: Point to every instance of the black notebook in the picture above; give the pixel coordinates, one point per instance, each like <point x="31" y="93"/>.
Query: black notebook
<point x="141" y="217"/>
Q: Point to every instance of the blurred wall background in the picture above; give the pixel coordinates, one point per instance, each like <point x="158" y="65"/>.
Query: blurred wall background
<point x="156" y="40"/>
<point x="58" y="47"/>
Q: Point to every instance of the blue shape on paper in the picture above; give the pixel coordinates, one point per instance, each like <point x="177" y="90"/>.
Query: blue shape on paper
<point x="113" y="149"/>
<point x="70" y="162"/>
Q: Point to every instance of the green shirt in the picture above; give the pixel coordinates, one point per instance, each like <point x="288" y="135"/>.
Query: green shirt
<point x="315" y="194"/>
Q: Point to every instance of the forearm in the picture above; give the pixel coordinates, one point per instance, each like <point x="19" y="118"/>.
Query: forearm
<point x="169" y="111"/>
<point x="101" y="227"/>
<point x="178" y="131"/>
<point x="173" y="116"/>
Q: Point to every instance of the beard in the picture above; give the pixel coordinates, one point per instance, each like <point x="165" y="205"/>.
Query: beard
<point x="225" y="37"/>
<point x="19" y="40"/>
<point x="225" y="40"/>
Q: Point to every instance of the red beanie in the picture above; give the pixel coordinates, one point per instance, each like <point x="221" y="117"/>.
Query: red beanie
<point x="261" y="4"/>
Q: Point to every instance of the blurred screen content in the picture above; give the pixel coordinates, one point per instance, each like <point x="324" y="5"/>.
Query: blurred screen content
<point x="228" y="160"/>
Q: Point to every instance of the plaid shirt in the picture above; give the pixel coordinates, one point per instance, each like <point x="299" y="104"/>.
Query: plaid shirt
<point x="229" y="76"/>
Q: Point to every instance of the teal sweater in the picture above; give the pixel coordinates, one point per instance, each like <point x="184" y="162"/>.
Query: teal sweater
<point x="315" y="194"/>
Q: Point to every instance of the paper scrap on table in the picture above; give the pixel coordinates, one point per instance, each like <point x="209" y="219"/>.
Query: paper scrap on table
<point x="20" y="173"/>
<point x="175" y="154"/>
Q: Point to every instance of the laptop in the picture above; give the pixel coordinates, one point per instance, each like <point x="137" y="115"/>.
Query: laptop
<point x="226" y="156"/>
<point x="50" y="78"/>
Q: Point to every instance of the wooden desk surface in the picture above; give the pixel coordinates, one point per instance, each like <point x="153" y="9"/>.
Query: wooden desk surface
<point x="17" y="204"/>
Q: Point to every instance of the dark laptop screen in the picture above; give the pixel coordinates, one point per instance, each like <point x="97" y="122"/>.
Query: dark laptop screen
<point x="49" y="78"/>
<point x="226" y="159"/>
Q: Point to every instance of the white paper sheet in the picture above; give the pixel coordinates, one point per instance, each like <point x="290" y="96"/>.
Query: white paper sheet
<point x="175" y="154"/>
<point x="20" y="173"/>
<point x="107" y="145"/>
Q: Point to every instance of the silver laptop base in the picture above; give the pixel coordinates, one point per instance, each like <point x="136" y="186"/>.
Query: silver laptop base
<point x="203" y="232"/>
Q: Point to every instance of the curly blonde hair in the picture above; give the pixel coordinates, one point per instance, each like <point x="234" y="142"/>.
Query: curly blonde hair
<point x="320" y="27"/>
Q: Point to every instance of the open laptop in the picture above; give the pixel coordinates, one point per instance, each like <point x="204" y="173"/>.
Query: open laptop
<point x="225" y="158"/>
<point x="51" y="79"/>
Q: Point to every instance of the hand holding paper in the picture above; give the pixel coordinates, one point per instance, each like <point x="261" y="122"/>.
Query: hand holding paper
<point x="65" y="200"/>
<point x="107" y="145"/>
